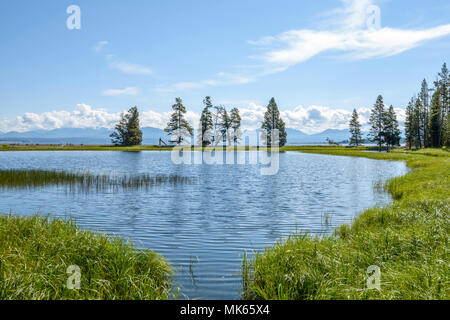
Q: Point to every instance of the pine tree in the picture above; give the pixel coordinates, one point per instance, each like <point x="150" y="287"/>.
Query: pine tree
<point x="355" y="130"/>
<point x="127" y="131"/>
<point x="435" y="120"/>
<point x="235" y="125"/>
<point x="178" y="127"/>
<point x="442" y="86"/>
<point x="392" y="131"/>
<point x="418" y="123"/>
<point x="225" y="125"/>
<point x="376" y="121"/>
<point x="425" y="98"/>
<point x="272" y="120"/>
<point x="206" y="124"/>
<point x="409" y="123"/>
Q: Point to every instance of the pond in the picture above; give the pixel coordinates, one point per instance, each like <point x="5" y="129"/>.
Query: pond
<point x="204" y="228"/>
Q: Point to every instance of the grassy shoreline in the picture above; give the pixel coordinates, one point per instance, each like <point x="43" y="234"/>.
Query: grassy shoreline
<point x="35" y="253"/>
<point x="408" y="240"/>
<point x="6" y="148"/>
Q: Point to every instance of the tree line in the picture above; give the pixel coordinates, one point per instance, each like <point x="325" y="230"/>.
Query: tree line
<point x="217" y="126"/>
<point x="384" y="127"/>
<point x="427" y="114"/>
<point x="426" y="124"/>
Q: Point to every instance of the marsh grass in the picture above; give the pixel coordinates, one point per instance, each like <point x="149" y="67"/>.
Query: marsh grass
<point x="35" y="253"/>
<point x="85" y="182"/>
<point x="408" y="240"/>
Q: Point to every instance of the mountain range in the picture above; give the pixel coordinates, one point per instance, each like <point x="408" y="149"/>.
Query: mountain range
<point x="151" y="136"/>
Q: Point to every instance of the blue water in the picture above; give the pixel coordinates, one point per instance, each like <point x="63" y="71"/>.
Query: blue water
<point x="207" y="225"/>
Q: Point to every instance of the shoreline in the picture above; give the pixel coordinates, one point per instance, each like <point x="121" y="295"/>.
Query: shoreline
<point x="399" y="239"/>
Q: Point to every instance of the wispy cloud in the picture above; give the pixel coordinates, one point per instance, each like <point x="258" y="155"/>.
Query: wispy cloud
<point x="129" y="68"/>
<point x="347" y="34"/>
<point x="220" y="79"/>
<point x="129" y="91"/>
<point x="99" y="46"/>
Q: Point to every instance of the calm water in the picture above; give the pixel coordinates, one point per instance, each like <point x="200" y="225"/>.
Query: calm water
<point x="205" y="228"/>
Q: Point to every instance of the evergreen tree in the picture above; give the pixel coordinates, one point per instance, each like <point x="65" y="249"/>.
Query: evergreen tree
<point x="424" y="96"/>
<point x="442" y="86"/>
<point x="409" y="123"/>
<point x="392" y="131"/>
<point x="127" y="131"/>
<point x="435" y="120"/>
<point x="355" y="130"/>
<point x="376" y="121"/>
<point x="272" y="120"/>
<point x="235" y="125"/>
<point x="225" y="125"/>
<point x="418" y="123"/>
<point x="206" y="124"/>
<point x="178" y="127"/>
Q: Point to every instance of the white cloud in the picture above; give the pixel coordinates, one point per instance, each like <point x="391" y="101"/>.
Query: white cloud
<point x="347" y="31"/>
<point x="221" y="79"/>
<point x="128" y="68"/>
<point x="347" y="35"/>
<point x="130" y="91"/>
<point x="312" y="119"/>
<point x="99" y="46"/>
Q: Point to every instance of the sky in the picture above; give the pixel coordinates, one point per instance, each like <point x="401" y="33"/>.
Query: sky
<point x="319" y="59"/>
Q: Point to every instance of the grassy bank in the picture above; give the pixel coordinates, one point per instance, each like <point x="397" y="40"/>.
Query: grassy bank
<point x="109" y="148"/>
<point x="81" y="148"/>
<point x="35" y="253"/>
<point x="408" y="241"/>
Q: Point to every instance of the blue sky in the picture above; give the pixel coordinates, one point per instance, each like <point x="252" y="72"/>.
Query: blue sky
<point x="313" y="56"/>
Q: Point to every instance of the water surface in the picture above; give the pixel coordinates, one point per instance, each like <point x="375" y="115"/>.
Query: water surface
<point x="205" y="228"/>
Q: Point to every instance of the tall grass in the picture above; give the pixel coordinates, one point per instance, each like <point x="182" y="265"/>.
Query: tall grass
<point x="86" y="182"/>
<point x="408" y="241"/>
<point x="35" y="253"/>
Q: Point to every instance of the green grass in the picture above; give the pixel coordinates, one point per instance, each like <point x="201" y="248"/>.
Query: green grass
<point x="35" y="253"/>
<point x="84" y="182"/>
<point x="110" y="148"/>
<point x="81" y="148"/>
<point x="408" y="241"/>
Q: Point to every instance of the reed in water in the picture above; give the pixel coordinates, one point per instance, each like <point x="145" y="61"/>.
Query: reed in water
<point x="85" y="181"/>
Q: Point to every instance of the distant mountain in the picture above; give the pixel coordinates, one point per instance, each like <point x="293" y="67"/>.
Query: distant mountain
<point x="151" y="136"/>
<point x="76" y="136"/>
<point x="299" y="137"/>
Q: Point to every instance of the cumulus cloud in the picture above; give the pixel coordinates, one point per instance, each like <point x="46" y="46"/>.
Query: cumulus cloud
<point x="129" y="91"/>
<point x="311" y="119"/>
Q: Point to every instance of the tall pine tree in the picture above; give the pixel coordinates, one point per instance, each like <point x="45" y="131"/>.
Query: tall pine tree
<point x="392" y="131"/>
<point x="272" y="120"/>
<point x="178" y="127"/>
<point x="235" y="125"/>
<point x="409" y="123"/>
<point x="435" y="120"/>
<point x="376" y="121"/>
<point x="206" y="124"/>
<point x="355" y="130"/>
